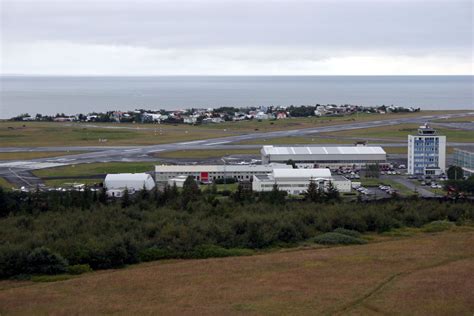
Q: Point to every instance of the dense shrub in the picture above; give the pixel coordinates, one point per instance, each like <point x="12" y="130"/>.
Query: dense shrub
<point x="44" y="261"/>
<point x="338" y="239"/>
<point x="12" y="260"/>
<point x="153" y="253"/>
<point x="437" y="226"/>
<point x="348" y="232"/>
<point x="79" y="269"/>
<point x="157" y="226"/>
<point x="210" y="251"/>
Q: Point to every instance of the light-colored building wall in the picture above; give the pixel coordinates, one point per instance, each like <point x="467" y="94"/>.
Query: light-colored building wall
<point x="296" y="181"/>
<point x="426" y="152"/>
<point x="133" y="182"/>
<point x="210" y="173"/>
<point x="464" y="158"/>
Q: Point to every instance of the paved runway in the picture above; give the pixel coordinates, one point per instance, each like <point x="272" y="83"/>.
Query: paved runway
<point x="139" y="153"/>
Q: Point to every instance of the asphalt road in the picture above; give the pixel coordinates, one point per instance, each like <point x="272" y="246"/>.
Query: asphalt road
<point x="11" y="169"/>
<point x="412" y="186"/>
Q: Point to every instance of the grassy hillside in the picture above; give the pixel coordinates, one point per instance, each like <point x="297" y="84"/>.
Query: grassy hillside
<point x="423" y="274"/>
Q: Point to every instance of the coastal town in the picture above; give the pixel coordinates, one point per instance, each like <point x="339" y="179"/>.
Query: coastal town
<point x="197" y="116"/>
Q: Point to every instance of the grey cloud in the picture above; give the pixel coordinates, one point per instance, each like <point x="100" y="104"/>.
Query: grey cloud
<point x="409" y="27"/>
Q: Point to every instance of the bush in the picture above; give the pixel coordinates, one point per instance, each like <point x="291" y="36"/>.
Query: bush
<point x="347" y="232"/>
<point x="152" y="254"/>
<point x="12" y="261"/>
<point x="79" y="269"/>
<point x="212" y="251"/>
<point x="225" y="180"/>
<point x="338" y="239"/>
<point x="225" y="192"/>
<point x="44" y="261"/>
<point x="437" y="226"/>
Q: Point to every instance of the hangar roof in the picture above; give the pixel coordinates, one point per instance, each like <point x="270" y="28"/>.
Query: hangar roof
<point x="323" y="150"/>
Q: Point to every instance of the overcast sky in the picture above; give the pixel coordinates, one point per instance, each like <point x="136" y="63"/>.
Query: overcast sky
<point x="227" y="37"/>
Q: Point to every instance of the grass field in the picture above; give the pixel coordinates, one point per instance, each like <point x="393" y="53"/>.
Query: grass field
<point x="400" y="132"/>
<point x="5" y="184"/>
<point x="15" y="134"/>
<point x="297" y="140"/>
<point x="24" y="134"/>
<point x="465" y="119"/>
<point x="206" y="153"/>
<point x="304" y="122"/>
<point x="27" y="155"/>
<point x="426" y="274"/>
<point x="222" y="187"/>
<point x="96" y="168"/>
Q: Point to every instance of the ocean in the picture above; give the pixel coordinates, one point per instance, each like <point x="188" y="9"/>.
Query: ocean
<point x="71" y="95"/>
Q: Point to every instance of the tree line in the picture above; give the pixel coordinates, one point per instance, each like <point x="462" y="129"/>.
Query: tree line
<point x="64" y="232"/>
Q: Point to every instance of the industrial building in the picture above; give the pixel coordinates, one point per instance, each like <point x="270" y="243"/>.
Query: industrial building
<point x="210" y="173"/>
<point x="117" y="183"/>
<point x="426" y="152"/>
<point x="178" y="181"/>
<point x="296" y="181"/>
<point x="464" y="158"/>
<point x="325" y="156"/>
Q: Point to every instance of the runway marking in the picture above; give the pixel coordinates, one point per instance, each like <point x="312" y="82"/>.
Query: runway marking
<point x="194" y="142"/>
<point x="218" y="143"/>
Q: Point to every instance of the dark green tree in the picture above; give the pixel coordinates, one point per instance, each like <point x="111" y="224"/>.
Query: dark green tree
<point x="276" y="196"/>
<point x="103" y="196"/>
<point x="455" y="173"/>
<point x="126" y="198"/>
<point x="372" y="171"/>
<point x="290" y="162"/>
<point x="191" y="190"/>
<point x="243" y="193"/>
<point x="314" y="192"/>
<point x="3" y="203"/>
<point x="144" y="195"/>
<point x="44" y="261"/>
<point x="332" y="193"/>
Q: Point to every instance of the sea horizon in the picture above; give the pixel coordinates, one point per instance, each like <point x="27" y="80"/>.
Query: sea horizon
<point x="72" y="94"/>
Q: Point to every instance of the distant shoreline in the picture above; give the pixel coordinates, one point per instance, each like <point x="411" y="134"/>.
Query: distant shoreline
<point x="228" y="76"/>
<point x="86" y="94"/>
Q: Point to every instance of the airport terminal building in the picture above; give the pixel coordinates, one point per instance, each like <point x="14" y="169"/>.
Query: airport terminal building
<point x="464" y="158"/>
<point x="325" y="156"/>
<point x="210" y="173"/>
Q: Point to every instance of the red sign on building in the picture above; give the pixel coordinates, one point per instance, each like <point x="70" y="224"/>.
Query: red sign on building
<point x="204" y="176"/>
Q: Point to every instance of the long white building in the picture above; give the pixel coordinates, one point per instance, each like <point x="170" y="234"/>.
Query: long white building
<point x="296" y="181"/>
<point x="210" y="173"/>
<point x="426" y="152"/>
<point x="325" y="156"/>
